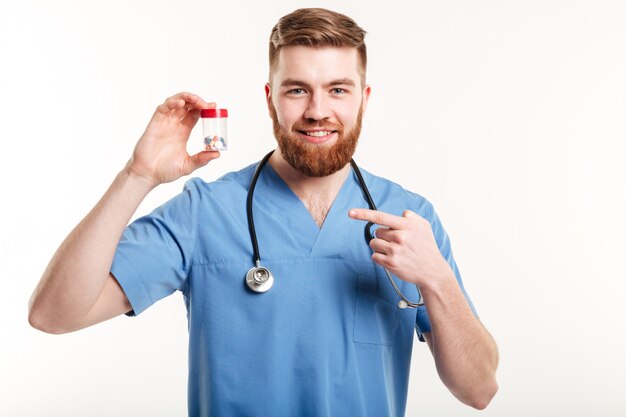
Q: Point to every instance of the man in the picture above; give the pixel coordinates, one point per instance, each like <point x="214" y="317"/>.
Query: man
<point x="327" y="339"/>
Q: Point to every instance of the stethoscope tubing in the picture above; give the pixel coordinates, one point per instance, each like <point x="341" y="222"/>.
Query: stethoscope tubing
<point x="255" y="244"/>
<point x="404" y="302"/>
<point x="262" y="287"/>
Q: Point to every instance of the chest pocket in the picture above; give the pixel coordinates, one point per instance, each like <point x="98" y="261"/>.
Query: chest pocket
<point x="376" y="318"/>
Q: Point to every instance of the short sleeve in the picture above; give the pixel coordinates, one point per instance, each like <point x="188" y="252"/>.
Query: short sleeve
<point x="153" y="256"/>
<point x="422" y="321"/>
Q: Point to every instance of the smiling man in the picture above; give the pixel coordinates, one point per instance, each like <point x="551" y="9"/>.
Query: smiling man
<point x="328" y="338"/>
<point x="316" y="109"/>
<point x="313" y="103"/>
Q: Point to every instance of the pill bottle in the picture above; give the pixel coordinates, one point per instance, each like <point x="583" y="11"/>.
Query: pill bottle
<point x="214" y="129"/>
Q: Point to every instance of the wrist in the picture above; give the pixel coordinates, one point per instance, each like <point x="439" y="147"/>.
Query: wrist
<point x="137" y="182"/>
<point x="136" y="179"/>
<point x="441" y="281"/>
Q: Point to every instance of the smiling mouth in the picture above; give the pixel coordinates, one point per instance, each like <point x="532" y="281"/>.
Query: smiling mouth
<point x="317" y="133"/>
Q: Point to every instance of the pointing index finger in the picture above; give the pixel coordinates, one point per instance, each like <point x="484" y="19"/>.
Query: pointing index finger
<point x="377" y="217"/>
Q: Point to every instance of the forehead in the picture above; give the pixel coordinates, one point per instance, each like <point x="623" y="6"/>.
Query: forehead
<point x="316" y="65"/>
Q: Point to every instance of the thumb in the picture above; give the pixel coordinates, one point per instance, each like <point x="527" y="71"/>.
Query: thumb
<point x="201" y="159"/>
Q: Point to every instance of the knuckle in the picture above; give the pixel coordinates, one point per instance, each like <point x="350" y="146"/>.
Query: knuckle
<point x="421" y="222"/>
<point x="392" y="262"/>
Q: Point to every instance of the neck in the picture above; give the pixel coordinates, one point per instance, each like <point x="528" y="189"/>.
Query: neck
<point x="317" y="194"/>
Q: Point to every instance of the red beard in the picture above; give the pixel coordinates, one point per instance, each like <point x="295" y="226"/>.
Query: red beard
<point x="316" y="160"/>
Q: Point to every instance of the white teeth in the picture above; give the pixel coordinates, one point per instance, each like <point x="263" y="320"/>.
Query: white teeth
<point x="319" y="133"/>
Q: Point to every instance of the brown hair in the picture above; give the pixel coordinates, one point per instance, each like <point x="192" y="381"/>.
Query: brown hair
<point x="317" y="27"/>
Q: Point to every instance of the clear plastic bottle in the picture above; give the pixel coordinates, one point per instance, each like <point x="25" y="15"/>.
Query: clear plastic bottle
<point x="214" y="129"/>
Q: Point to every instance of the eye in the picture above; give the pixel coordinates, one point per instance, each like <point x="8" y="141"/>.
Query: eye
<point x="296" y="91"/>
<point x="339" y="90"/>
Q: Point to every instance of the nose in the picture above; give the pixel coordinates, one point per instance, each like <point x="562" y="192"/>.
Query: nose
<point x="318" y="107"/>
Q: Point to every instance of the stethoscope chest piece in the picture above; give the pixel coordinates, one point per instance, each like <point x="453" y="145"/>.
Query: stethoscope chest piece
<point x="259" y="279"/>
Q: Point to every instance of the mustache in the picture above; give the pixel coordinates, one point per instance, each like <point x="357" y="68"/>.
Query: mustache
<point x="317" y="124"/>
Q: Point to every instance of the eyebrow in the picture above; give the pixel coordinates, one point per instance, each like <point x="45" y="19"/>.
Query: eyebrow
<point x="290" y="82"/>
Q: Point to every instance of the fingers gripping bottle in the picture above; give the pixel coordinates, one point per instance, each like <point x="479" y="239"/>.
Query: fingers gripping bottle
<point x="214" y="129"/>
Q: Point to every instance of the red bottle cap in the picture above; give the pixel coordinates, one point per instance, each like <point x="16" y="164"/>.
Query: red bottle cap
<point x="213" y="113"/>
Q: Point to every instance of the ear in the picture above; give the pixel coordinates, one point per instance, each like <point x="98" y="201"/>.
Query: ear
<point x="366" y="96"/>
<point x="268" y="96"/>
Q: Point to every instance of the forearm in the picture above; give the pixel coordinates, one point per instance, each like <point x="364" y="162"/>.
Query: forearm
<point x="79" y="269"/>
<point x="465" y="354"/>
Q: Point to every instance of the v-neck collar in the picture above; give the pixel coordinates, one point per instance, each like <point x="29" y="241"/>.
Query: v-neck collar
<point x="313" y="241"/>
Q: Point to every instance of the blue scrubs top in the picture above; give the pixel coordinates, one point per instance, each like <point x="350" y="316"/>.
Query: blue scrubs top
<point x="327" y="339"/>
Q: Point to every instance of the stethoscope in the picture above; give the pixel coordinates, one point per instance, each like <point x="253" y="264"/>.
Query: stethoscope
<point x="260" y="279"/>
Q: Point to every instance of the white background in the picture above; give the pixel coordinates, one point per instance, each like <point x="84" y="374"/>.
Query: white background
<point x="508" y="116"/>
